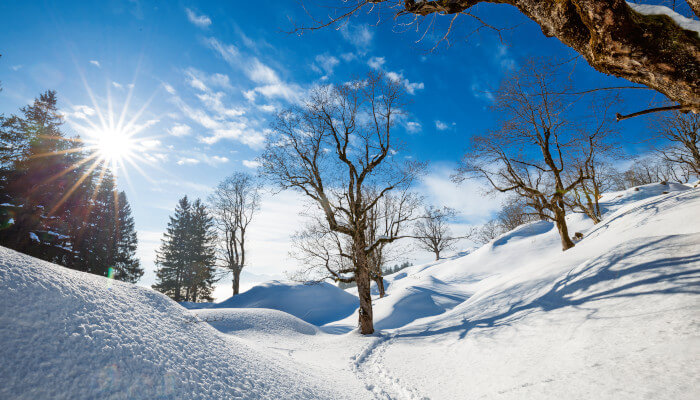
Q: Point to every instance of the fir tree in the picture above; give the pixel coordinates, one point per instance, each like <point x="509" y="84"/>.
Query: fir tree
<point x="55" y="205"/>
<point x="186" y="257"/>
<point x="34" y="178"/>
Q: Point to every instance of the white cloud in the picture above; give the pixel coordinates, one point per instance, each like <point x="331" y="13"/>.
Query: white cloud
<point x="150" y="143"/>
<point x="16" y="67"/>
<point x="358" y="35"/>
<point x="443" y="126"/>
<point x="413" y="127"/>
<point x="267" y="108"/>
<point x="261" y="73"/>
<point x="95" y="63"/>
<point x="180" y="130"/>
<point x="253" y="164"/>
<point x="201" y="21"/>
<point x="117" y="85"/>
<point x="168" y="88"/>
<point x="411" y="87"/>
<point x="376" y="62"/>
<point x="325" y="63"/>
<point x="347" y="57"/>
<point x="187" y="161"/>
<point x="228" y="52"/>
<point x="201" y="81"/>
<point x="214" y="103"/>
<point x="504" y="59"/>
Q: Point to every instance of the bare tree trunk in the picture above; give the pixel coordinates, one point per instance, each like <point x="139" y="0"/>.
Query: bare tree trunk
<point x="363" y="279"/>
<point x="236" y="280"/>
<point x="379" y="280"/>
<point x="560" y="220"/>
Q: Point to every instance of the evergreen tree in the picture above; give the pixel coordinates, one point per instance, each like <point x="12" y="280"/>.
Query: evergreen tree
<point x="186" y="257"/>
<point x="57" y="206"/>
<point x="34" y="178"/>
<point x="126" y="265"/>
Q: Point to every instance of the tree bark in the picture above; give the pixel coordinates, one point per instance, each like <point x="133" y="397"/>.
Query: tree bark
<point x="560" y="220"/>
<point x="363" y="279"/>
<point x="236" y="281"/>
<point x="379" y="280"/>
<point x="648" y="49"/>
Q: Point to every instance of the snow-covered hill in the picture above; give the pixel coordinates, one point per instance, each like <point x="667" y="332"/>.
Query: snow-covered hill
<point x="71" y="335"/>
<point x="616" y="317"/>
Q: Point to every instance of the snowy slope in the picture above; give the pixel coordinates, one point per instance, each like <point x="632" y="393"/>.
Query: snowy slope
<point x="316" y="304"/>
<point x="618" y="316"/>
<point x="67" y="334"/>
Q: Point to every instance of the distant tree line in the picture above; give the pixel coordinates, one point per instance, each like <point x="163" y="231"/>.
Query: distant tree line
<point x="58" y="202"/>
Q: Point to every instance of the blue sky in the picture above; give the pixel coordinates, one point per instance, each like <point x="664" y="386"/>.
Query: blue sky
<point x="203" y="79"/>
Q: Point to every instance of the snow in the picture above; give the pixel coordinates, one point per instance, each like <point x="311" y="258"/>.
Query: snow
<point x="67" y="334"/>
<point x="616" y="317"/>
<point x="684" y="22"/>
<point x="316" y="303"/>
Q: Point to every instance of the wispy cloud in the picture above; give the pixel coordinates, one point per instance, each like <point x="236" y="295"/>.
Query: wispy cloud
<point x="413" y="127"/>
<point x="482" y="93"/>
<point x="325" y="63"/>
<point x="253" y="164"/>
<point x="187" y="161"/>
<point x="358" y="35"/>
<point x="117" y="85"/>
<point x="378" y="64"/>
<point x="180" y="130"/>
<point x="201" y="21"/>
<point x="16" y="67"/>
<point x="270" y="85"/>
<point x="443" y="126"/>
<point x="95" y="63"/>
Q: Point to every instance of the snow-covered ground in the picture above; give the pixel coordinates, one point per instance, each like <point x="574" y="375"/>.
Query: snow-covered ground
<point x="616" y="317"/>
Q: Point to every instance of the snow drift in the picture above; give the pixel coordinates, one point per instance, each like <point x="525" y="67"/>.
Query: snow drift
<point x="316" y="304"/>
<point x="67" y="334"/>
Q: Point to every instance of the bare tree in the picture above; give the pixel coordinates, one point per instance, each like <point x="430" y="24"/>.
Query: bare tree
<point x="234" y="203"/>
<point x="594" y="149"/>
<point x="536" y="145"/>
<point x="683" y="130"/>
<point x="326" y="254"/>
<point x="486" y="232"/>
<point x="515" y="212"/>
<point x="333" y="148"/>
<point x="652" y="50"/>
<point x="433" y="233"/>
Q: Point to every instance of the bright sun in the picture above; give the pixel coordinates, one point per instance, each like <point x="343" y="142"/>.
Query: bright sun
<point x="114" y="145"/>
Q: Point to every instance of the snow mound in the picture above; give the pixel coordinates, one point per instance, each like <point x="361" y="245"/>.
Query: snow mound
<point x="621" y="310"/>
<point x="255" y="321"/>
<point x="67" y="334"/>
<point x="316" y="304"/>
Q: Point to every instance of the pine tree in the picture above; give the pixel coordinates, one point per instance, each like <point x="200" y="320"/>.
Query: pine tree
<point x="57" y="206"/>
<point x="186" y="257"/>
<point x="127" y="266"/>
<point x="34" y="178"/>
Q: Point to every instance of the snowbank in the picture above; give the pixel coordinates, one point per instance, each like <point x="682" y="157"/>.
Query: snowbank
<point x="615" y="317"/>
<point x="67" y="334"/>
<point x="255" y="321"/>
<point x="316" y="304"/>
